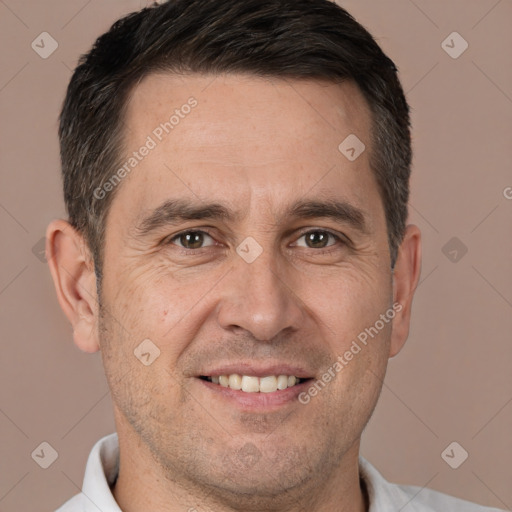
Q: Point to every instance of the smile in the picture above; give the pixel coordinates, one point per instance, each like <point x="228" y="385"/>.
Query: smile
<point x="251" y="384"/>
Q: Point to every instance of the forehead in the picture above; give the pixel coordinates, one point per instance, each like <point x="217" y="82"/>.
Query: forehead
<point x="293" y="109"/>
<point x="237" y="138"/>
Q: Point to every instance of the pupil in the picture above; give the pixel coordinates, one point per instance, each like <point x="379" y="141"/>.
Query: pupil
<point x="192" y="240"/>
<point x="317" y="239"/>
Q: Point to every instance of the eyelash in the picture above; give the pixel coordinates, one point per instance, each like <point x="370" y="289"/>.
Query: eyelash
<point x="325" y="250"/>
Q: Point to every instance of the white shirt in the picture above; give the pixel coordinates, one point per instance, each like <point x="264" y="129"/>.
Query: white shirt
<point x="103" y="466"/>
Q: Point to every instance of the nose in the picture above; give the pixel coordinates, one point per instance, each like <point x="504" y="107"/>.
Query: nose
<point x="259" y="298"/>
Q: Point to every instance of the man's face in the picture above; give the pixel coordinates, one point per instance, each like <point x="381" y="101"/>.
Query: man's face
<point x="279" y="277"/>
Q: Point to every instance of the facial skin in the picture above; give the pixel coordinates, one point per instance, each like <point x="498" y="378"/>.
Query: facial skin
<point x="255" y="146"/>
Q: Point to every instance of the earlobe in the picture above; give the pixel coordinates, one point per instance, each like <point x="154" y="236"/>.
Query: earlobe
<point x="405" y="280"/>
<point x="72" y="270"/>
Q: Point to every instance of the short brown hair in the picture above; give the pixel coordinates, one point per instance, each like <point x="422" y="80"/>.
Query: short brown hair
<point x="294" y="39"/>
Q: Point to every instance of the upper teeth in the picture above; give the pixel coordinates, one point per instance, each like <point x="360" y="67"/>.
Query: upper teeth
<point x="251" y="384"/>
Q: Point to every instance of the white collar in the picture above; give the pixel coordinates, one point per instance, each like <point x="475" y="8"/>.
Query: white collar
<point x="103" y="466"/>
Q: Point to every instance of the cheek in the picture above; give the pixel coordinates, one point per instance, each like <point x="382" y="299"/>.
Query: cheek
<point x="347" y="303"/>
<point x="151" y="302"/>
<point x="140" y="311"/>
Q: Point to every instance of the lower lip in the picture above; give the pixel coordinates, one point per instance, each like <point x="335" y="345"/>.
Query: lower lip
<point x="258" y="401"/>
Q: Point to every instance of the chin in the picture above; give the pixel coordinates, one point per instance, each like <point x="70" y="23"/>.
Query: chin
<point x="258" y="476"/>
<point x="257" y="490"/>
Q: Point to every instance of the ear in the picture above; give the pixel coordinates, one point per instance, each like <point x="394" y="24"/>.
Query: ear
<point x="405" y="279"/>
<point x="72" y="270"/>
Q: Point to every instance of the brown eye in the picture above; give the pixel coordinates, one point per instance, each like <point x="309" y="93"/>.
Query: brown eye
<point x="191" y="239"/>
<point x="318" y="239"/>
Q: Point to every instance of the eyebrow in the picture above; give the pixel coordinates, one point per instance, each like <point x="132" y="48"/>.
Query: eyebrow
<point x="174" y="211"/>
<point x="339" y="211"/>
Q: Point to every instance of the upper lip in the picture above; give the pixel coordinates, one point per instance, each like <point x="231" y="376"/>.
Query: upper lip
<point x="257" y="370"/>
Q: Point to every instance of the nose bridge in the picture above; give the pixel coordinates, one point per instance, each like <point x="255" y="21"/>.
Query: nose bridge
<point x="264" y="284"/>
<point x="258" y="299"/>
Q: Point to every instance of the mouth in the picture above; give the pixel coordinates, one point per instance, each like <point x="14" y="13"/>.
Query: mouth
<point x="253" y="394"/>
<point x="253" y="384"/>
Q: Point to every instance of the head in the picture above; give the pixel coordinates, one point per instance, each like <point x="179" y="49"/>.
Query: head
<point x="212" y="196"/>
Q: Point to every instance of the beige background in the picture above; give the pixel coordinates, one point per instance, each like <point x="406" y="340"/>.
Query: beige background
<point x="453" y="380"/>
